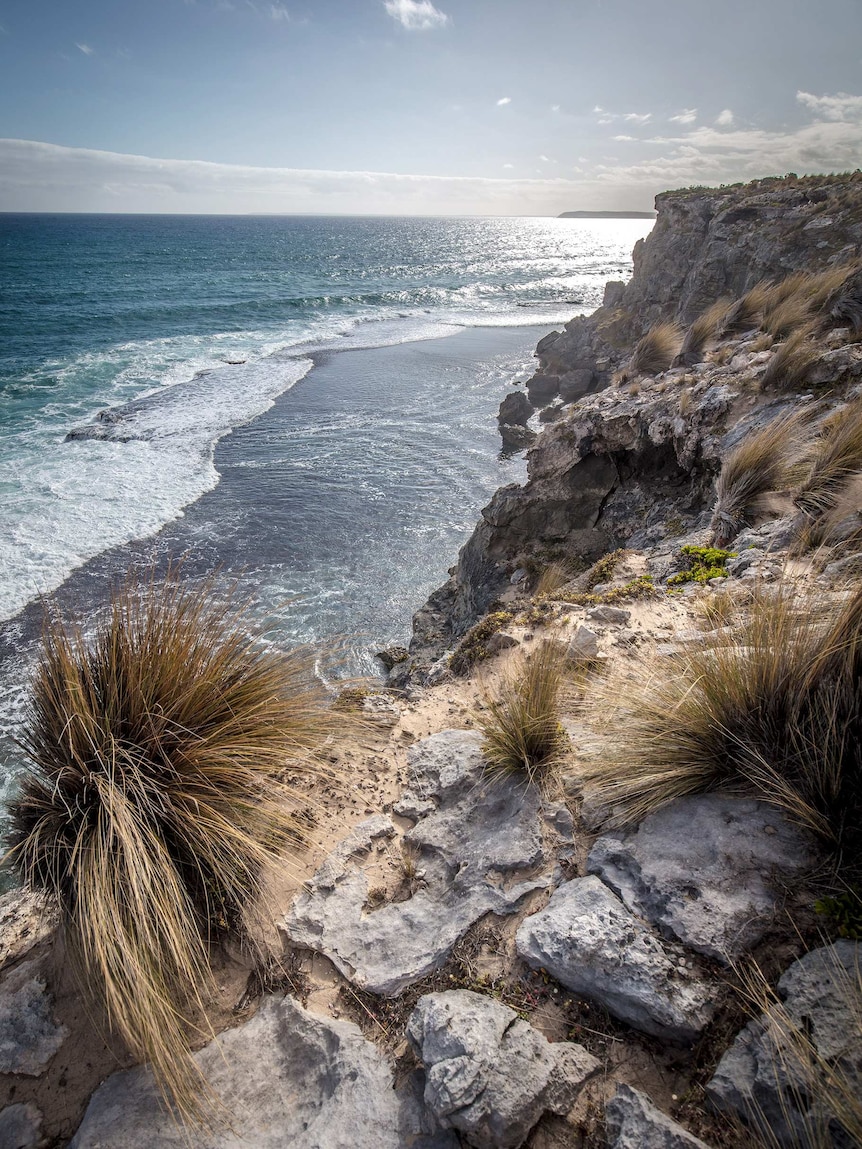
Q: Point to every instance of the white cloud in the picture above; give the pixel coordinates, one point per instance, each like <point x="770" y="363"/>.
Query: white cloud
<point x="839" y="107"/>
<point x="724" y="119"/>
<point x="555" y="107"/>
<point x="85" y="48"/>
<point x="686" y="116"/>
<point x="38" y="176"/>
<point x="510" y="166"/>
<point x="606" y="117"/>
<point x="709" y="156"/>
<point x="503" y="101"/>
<point x="279" y="13"/>
<point x="637" y="117"/>
<point x="416" y="15"/>
<point x="624" y="139"/>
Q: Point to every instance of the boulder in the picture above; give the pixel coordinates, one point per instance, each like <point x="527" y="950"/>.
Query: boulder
<point x="287" y="1077"/>
<point x="392" y="655"/>
<point x="516" y="437"/>
<point x="29" y="1036"/>
<point x="488" y="1074"/>
<point x="613" y="296"/>
<point x="20" y="1127"/>
<point x="515" y="408"/>
<point x="587" y="939"/>
<point x="541" y="389"/>
<point x="633" y="1122"/>
<point x="611" y="614"/>
<point x="583" y="646"/>
<point x="787" y="1075"/>
<point x="703" y="869"/>
<point x="576" y="384"/>
<point x="477" y="830"/>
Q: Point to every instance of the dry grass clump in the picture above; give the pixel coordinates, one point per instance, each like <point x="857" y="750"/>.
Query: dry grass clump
<point x="760" y="463"/>
<point x="837" y="457"/>
<point x="656" y="350"/>
<point x="776" y="714"/>
<point x="521" y="725"/>
<point x="790" y="315"/>
<point x="817" y="1102"/>
<point x="791" y="363"/>
<point x="746" y="312"/>
<point x="702" y="332"/>
<point x="844" y="303"/>
<point x="162" y="750"/>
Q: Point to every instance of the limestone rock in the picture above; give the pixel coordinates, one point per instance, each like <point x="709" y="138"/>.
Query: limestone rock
<point x="774" y="1082"/>
<point x="541" y="389"/>
<point x="380" y="710"/>
<point x="29" y="1036"/>
<point x="587" y="939"/>
<point x="633" y="1122"/>
<point x="583" y="646"/>
<point x="516" y="437"/>
<point x="611" y="614"/>
<point x="20" y="1127"/>
<point x="477" y="831"/>
<point x="286" y="1077"/>
<point x="515" y="409"/>
<point x="575" y="384"/>
<point x="25" y="920"/>
<point x="409" y="806"/>
<point x="489" y="1074"/>
<point x="702" y="869"/>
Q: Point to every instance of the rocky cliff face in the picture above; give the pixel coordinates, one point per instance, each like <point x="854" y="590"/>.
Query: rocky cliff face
<point x="624" y="460"/>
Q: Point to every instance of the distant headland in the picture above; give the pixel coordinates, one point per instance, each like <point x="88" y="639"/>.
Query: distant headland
<point x="606" y="215"/>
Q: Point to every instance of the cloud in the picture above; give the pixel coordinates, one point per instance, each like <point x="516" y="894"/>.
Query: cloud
<point x="606" y="117"/>
<point x="279" y="13"/>
<point x="85" y="48"/>
<point x="416" y="15"/>
<point x="839" y="107"/>
<point x="503" y="101"/>
<point x="724" y="119"/>
<point x="706" y="155"/>
<point x="624" y="139"/>
<point x="38" y="176"/>
<point x="686" y="116"/>
<point x="555" y="107"/>
<point x="508" y="165"/>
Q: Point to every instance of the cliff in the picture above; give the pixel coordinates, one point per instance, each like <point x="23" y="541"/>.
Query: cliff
<point x="616" y="463"/>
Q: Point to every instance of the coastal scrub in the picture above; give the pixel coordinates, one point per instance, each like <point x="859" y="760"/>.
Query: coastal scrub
<point x="162" y="752"/>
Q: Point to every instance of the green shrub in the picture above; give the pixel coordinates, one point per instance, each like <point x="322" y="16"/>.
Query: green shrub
<point x="473" y="646"/>
<point x="704" y="563"/>
<point x="162" y="750"/>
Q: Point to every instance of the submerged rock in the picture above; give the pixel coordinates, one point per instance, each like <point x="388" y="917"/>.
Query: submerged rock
<point x="587" y="939"/>
<point x="489" y="1074"/>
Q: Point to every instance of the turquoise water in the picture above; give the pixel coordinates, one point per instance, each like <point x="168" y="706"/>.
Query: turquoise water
<point x="305" y="403"/>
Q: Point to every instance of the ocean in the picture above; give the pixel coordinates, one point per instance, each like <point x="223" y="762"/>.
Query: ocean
<point x="304" y="404"/>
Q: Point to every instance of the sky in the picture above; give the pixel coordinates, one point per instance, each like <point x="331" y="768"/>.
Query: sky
<point x="455" y="107"/>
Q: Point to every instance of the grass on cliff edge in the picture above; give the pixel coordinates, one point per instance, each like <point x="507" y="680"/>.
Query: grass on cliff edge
<point x="521" y="724"/>
<point x="776" y="714"/>
<point x="162" y="752"/>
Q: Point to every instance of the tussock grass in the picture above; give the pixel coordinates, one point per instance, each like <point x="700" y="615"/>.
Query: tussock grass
<point x="702" y="332"/>
<point x="817" y="1092"/>
<point x="837" y="456"/>
<point x="792" y="314"/>
<point x="760" y="463"/>
<point x="521" y="725"/>
<point x="162" y="750"/>
<point x="747" y="311"/>
<point x="554" y="576"/>
<point x="791" y="363"/>
<point x="777" y="714"/>
<point x="844" y="304"/>
<point x="656" y="350"/>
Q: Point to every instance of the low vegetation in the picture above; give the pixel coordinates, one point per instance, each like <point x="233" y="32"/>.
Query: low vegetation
<point x="521" y="724"/>
<point x="701" y="333"/>
<point x="776" y="714"/>
<point x="656" y="350"/>
<point x="702" y="564"/>
<point x="473" y="647"/>
<point x="163" y="748"/>
<point x="758" y="464"/>
<point x="837" y="458"/>
<point x="789" y="367"/>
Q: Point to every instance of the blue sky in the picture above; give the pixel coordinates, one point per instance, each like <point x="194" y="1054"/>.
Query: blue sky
<point x="499" y="106"/>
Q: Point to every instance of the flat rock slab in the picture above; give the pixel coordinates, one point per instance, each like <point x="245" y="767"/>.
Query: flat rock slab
<point x="633" y="1122"/>
<point x="29" y="1036"/>
<point x="591" y="943"/>
<point x="473" y="834"/>
<point x="488" y="1074"/>
<point x="20" y="1127"/>
<point x="704" y="870"/>
<point x="287" y="1077"/>
<point x="771" y="1078"/>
